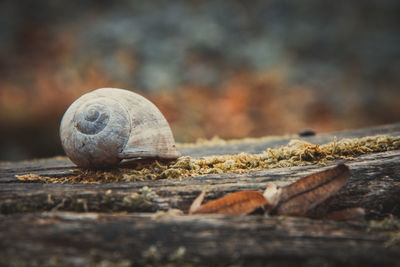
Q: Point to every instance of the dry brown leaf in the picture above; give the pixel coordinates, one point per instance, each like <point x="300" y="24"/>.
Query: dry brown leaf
<point x="272" y="194"/>
<point x="297" y="198"/>
<point x="349" y="214"/>
<point x="197" y="202"/>
<point x="238" y="203"/>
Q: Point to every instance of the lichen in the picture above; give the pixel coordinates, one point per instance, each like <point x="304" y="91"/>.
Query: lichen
<point x="152" y="254"/>
<point x="390" y="225"/>
<point x="143" y="198"/>
<point x="178" y="254"/>
<point x="296" y="153"/>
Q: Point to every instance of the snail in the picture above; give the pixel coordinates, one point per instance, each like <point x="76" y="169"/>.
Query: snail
<point x="106" y="126"/>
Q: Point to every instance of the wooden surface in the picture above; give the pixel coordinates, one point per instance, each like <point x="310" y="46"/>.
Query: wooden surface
<point x="124" y="224"/>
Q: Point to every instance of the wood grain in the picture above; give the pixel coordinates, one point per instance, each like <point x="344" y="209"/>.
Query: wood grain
<point x="128" y="224"/>
<point x="146" y="239"/>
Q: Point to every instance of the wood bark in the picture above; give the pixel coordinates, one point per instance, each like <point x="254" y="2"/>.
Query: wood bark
<point x="124" y="224"/>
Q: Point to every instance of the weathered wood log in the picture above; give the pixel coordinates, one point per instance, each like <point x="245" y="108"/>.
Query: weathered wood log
<point x="105" y="223"/>
<point x="374" y="185"/>
<point x="140" y="239"/>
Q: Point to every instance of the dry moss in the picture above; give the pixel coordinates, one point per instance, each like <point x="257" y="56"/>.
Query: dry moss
<point x="296" y="153"/>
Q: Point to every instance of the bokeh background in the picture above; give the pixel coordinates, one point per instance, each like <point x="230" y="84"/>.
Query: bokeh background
<point x="215" y="68"/>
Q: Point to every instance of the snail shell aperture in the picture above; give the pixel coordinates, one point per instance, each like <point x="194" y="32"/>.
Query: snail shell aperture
<point x="108" y="125"/>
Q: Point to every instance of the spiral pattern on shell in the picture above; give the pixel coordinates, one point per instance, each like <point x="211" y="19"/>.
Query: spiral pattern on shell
<point x="108" y="125"/>
<point x="99" y="127"/>
<point x="92" y="117"/>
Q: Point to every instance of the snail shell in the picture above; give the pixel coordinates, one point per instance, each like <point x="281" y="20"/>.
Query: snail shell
<point x="108" y="125"/>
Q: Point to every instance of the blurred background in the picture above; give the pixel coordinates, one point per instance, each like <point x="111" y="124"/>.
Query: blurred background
<point x="231" y="69"/>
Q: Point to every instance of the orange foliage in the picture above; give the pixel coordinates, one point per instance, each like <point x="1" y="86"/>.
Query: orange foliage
<point x="247" y="104"/>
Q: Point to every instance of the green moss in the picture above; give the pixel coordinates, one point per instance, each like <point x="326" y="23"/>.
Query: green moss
<point x="296" y="153"/>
